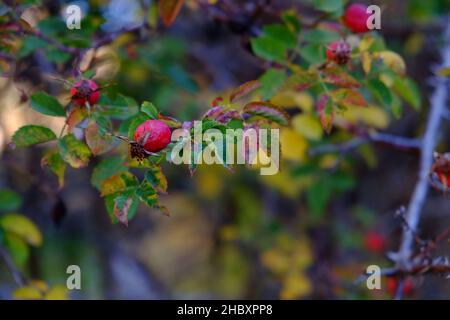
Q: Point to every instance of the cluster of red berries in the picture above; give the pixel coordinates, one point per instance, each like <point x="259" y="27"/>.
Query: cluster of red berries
<point x="355" y="18"/>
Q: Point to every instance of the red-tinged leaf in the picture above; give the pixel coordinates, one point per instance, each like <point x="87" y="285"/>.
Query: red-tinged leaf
<point x="213" y="112"/>
<point x="339" y="77"/>
<point x="349" y="98"/>
<point x="244" y="89"/>
<point x="170" y="121"/>
<point x="301" y="80"/>
<point x="169" y="9"/>
<point x="326" y="112"/>
<point x="97" y="142"/>
<point x="228" y="115"/>
<point x="268" y="111"/>
<point x="76" y="116"/>
<point x="444" y="178"/>
<point x="121" y="210"/>
<point x="216" y="101"/>
<point x="163" y="210"/>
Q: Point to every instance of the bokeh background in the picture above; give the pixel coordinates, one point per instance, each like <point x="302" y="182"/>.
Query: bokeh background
<point x="230" y="235"/>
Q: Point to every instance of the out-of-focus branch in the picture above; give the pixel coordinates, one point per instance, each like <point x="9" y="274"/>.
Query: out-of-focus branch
<point x="438" y="107"/>
<point x="16" y="274"/>
<point x="387" y="139"/>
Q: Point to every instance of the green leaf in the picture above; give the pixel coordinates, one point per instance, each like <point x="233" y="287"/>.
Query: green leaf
<point x="291" y="20"/>
<point x="328" y="5"/>
<point x="105" y="169"/>
<point x="271" y="80"/>
<point x="313" y="53"/>
<point x="45" y="104"/>
<point x="18" y="248"/>
<point x="157" y="179"/>
<point x="380" y="91"/>
<point x="22" y="227"/>
<point x="322" y="37"/>
<point x="30" y="135"/>
<point x="267" y="110"/>
<point x="57" y="56"/>
<point x="268" y="48"/>
<point x="396" y="107"/>
<point x="281" y="33"/>
<point x="30" y="44"/>
<point x="147" y="194"/>
<point x="9" y="200"/>
<point x="74" y="152"/>
<point x="149" y="109"/>
<point x="317" y="197"/>
<point x="119" y="107"/>
<point x="408" y="90"/>
<point x="53" y="160"/>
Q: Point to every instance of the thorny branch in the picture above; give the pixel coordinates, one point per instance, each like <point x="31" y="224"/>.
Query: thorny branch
<point x="438" y="107"/>
<point x="387" y="139"/>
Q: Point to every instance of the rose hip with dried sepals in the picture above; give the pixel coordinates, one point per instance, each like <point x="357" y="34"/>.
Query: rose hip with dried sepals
<point x="85" y="91"/>
<point x="339" y="51"/>
<point x="153" y="135"/>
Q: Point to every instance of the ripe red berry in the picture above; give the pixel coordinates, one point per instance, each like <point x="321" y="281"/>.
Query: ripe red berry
<point x="339" y="52"/>
<point x="85" y="90"/>
<point x="355" y="18"/>
<point x="374" y="242"/>
<point x="392" y="285"/>
<point x="153" y="135"/>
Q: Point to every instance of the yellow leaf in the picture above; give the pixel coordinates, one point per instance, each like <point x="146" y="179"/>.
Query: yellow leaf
<point x="22" y="227"/>
<point x="286" y="184"/>
<point x="387" y="79"/>
<point x="295" y="285"/>
<point x="366" y="61"/>
<point x="366" y="43"/>
<point x="293" y="145"/>
<point x="308" y="126"/>
<point x="27" y="293"/>
<point x="209" y="181"/>
<point x="58" y="292"/>
<point x="293" y="99"/>
<point x="276" y="261"/>
<point x="39" y="284"/>
<point x="392" y="60"/>
<point x="328" y="161"/>
<point x="373" y="116"/>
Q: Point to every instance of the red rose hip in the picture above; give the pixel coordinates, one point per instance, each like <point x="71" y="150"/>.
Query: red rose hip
<point x="374" y="242"/>
<point x="85" y="90"/>
<point x="339" y="52"/>
<point x="153" y="135"/>
<point x="355" y="18"/>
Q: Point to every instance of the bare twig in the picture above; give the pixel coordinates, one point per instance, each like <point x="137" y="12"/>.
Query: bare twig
<point x="16" y="274"/>
<point x="438" y="106"/>
<point x="376" y="137"/>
